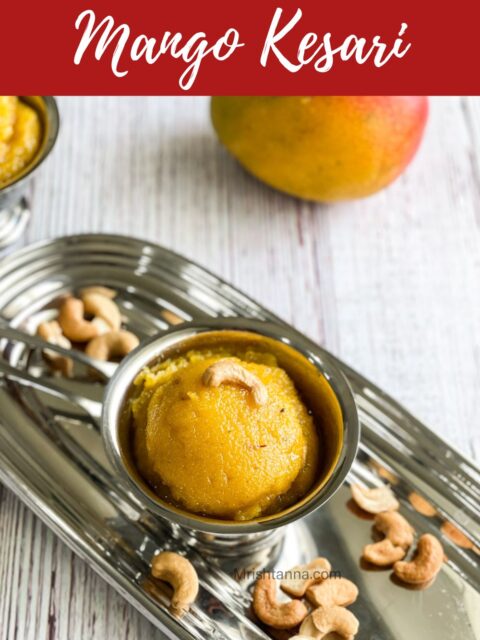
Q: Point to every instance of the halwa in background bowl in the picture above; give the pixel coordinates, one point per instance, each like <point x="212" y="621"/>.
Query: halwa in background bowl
<point x="321" y="386"/>
<point x="14" y="211"/>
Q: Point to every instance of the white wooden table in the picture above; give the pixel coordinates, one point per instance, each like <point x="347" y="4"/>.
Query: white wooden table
<point x="390" y="284"/>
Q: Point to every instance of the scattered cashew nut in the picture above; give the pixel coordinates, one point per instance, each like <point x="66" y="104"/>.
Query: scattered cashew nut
<point x="384" y="473"/>
<point x="395" y="527"/>
<point x="112" y="344"/>
<point x="383" y="553"/>
<point x="74" y="326"/>
<point x="52" y="332"/>
<point x="99" y="306"/>
<point x="374" y="500"/>
<point x="334" y="619"/>
<point x="398" y="538"/>
<point x="426" y="563"/>
<point x="456" y="536"/>
<point x="181" y="575"/>
<point x="331" y="592"/>
<point x="171" y="317"/>
<point x="421" y="505"/>
<point x="103" y="291"/>
<point x="227" y="371"/>
<point x="307" y="628"/>
<point x="302" y="576"/>
<point x="279" y="615"/>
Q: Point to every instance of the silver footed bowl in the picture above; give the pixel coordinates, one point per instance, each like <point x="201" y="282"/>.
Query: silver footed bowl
<point x="299" y="357"/>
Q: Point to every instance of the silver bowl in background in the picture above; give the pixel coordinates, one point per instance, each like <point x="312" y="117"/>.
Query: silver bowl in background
<point x="116" y="430"/>
<point x="14" y="205"/>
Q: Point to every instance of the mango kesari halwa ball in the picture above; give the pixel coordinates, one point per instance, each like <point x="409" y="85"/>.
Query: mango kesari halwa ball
<point x="224" y="435"/>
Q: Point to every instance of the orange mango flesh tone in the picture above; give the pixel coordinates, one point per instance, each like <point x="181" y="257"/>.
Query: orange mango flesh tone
<point x="20" y="137"/>
<point x="212" y="450"/>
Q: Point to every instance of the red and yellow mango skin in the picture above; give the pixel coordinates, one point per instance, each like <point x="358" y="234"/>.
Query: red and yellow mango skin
<point x="322" y="148"/>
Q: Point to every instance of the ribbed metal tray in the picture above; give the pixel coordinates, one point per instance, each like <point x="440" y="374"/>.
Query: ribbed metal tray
<point x="53" y="459"/>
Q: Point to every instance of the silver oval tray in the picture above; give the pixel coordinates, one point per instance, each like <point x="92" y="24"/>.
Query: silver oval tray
<point x="52" y="457"/>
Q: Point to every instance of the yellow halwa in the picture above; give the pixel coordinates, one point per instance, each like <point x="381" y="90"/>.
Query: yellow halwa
<point x="213" y="450"/>
<point x="20" y="137"/>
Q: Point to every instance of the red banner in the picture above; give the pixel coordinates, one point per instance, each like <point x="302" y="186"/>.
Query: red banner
<point x="264" y="47"/>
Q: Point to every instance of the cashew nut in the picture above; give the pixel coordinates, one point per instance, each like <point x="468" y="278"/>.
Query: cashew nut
<point x="331" y="592"/>
<point x="227" y="371"/>
<point x="383" y="472"/>
<point x="52" y="332"/>
<point x="383" y="553"/>
<point x="398" y="538"/>
<point x="74" y="326"/>
<point x="456" y="536"/>
<point x="307" y="628"/>
<point x="426" y="564"/>
<point x="279" y="615"/>
<point x="374" y="500"/>
<point x="395" y="527"/>
<point x="171" y="317"/>
<point x="181" y="575"/>
<point x="111" y="345"/>
<point x="106" y="292"/>
<point x="421" y="505"/>
<point x="334" y="619"/>
<point x="99" y="306"/>
<point x="302" y="576"/>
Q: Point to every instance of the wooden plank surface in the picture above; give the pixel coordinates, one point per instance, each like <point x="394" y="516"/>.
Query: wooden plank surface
<point x="390" y="284"/>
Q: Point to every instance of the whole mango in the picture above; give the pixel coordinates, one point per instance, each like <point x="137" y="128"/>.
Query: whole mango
<point x="322" y="148"/>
